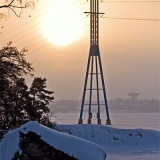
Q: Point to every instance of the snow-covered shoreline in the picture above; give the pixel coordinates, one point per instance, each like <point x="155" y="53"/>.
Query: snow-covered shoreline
<point x="124" y="143"/>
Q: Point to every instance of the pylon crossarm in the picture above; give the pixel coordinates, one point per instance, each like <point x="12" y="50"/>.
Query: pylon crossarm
<point x="88" y="13"/>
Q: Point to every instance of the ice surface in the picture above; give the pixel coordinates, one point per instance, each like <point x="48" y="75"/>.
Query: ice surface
<point x="127" y="120"/>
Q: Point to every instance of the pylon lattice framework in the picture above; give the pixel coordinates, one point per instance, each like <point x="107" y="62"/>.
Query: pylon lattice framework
<point x="94" y="56"/>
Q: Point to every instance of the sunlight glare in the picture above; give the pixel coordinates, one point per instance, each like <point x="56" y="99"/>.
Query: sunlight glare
<point x="62" y="24"/>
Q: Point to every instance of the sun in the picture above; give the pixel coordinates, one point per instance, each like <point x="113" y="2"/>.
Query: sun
<point x="62" y="25"/>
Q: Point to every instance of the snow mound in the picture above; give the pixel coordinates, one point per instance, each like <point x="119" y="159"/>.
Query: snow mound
<point x="114" y="139"/>
<point x="71" y="145"/>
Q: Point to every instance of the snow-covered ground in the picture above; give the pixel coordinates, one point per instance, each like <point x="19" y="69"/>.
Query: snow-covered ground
<point x="123" y="144"/>
<point x="132" y="136"/>
<point x="71" y="145"/>
<point x="124" y="120"/>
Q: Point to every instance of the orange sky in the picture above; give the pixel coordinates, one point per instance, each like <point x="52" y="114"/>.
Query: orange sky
<point x="130" y="50"/>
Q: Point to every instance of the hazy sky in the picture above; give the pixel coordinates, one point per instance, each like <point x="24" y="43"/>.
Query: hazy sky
<point x="130" y="49"/>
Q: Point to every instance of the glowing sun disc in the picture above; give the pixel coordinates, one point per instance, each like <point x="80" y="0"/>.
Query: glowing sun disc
<point x="62" y="25"/>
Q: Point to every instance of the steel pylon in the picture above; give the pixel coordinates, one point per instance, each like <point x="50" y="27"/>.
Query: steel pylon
<point x="94" y="69"/>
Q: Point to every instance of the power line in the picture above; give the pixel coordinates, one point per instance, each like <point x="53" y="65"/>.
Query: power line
<point x="35" y="24"/>
<point x="23" y="32"/>
<point x="40" y="36"/>
<point x="130" y="1"/>
<point x="74" y="8"/>
<point x="39" y="3"/>
<point x="30" y="32"/>
<point x="26" y="30"/>
<point x="139" y="19"/>
<point x="33" y="39"/>
<point x="48" y="43"/>
<point x="45" y="38"/>
<point x="40" y="15"/>
<point x="49" y="8"/>
<point x="82" y="27"/>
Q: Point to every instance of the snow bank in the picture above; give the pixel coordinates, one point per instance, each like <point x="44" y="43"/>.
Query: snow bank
<point x="114" y="139"/>
<point x="71" y="145"/>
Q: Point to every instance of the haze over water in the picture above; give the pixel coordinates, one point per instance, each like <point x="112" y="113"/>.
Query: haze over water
<point x="130" y="49"/>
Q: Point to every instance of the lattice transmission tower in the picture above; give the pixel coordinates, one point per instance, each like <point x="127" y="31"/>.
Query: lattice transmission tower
<point x="94" y="70"/>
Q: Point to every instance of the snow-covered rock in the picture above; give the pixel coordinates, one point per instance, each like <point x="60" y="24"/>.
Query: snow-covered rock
<point x="73" y="146"/>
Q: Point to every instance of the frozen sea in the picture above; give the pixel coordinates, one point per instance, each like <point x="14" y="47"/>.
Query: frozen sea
<point x="122" y="120"/>
<point x="126" y="120"/>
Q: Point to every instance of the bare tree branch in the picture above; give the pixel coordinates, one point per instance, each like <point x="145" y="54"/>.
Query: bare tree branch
<point x="15" y="5"/>
<point x="18" y="15"/>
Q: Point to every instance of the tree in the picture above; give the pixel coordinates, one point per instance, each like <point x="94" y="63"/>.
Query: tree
<point x="19" y="97"/>
<point x="13" y="67"/>
<point x="16" y="6"/>
<point x="39" y="100"/>
<point x="17" y="102"/>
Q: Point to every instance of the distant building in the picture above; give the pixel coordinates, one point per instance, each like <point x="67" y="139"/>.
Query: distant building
<point x="133" y="96"/>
